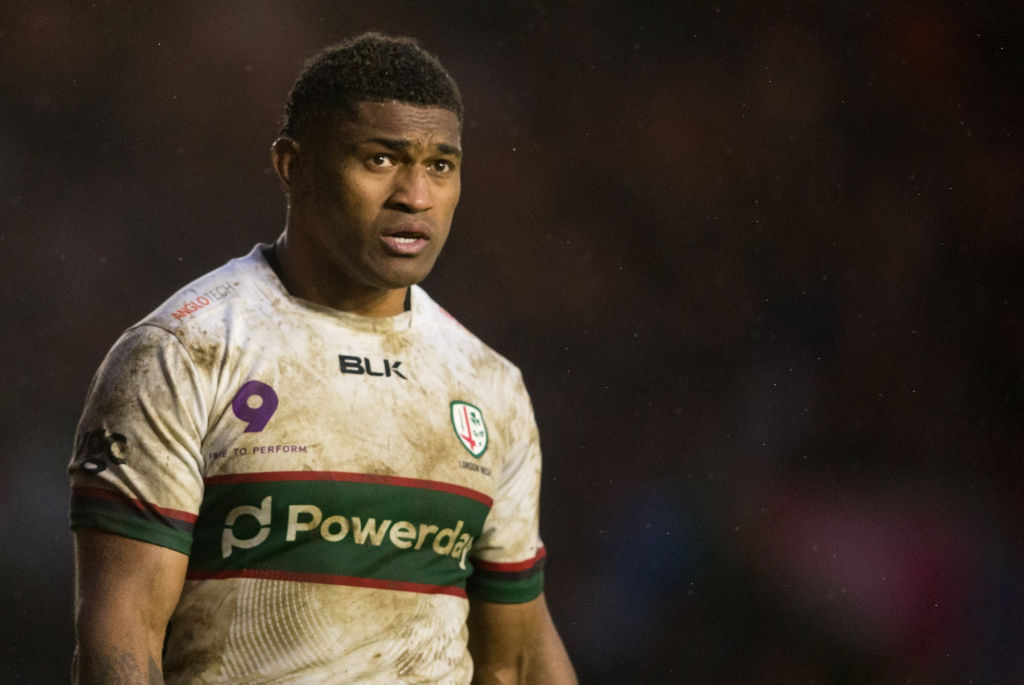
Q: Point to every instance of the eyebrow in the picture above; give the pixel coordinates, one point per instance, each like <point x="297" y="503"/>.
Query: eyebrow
<point x="399" y="145"/>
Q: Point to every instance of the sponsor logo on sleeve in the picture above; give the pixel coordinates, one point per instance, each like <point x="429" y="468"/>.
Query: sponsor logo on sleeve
<point x="97" y="449"/>
<point x="193" y="305"/>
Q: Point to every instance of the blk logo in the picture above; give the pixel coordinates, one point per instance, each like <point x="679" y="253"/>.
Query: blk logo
<point x="362" y="366"/>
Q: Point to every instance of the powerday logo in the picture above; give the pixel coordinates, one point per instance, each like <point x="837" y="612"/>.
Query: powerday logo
<point x="468" y="422"/>
<point x="365" y="531"/>
<point x="357" y="529"/>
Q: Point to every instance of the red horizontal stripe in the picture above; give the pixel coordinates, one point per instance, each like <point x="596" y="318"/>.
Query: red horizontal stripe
<point x="141" y="505"/>
<point x="329" y="579"/>
<point x="512" y="567"/>
<point x="348" y="477"/>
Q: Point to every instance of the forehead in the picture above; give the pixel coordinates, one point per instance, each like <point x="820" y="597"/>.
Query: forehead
<point x="397" y="121"/>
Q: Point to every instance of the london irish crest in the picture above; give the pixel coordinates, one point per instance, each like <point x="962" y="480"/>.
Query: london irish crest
<point x="468" y="422"/>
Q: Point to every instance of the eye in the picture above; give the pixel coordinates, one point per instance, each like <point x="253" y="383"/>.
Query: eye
<point x="442" y="166"/>
<point x="381" y="161"/>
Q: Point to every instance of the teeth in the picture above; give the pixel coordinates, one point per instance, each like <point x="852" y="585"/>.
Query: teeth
<point x="400" y="239"/>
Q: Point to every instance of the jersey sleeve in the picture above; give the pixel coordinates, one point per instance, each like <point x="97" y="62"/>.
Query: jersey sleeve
<point x="136" y="468"/>
<point x="508" y="558"/>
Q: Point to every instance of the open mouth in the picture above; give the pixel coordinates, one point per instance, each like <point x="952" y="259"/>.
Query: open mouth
<point x="406" y="243"/>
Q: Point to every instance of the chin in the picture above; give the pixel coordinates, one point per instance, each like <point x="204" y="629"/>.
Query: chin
<point x="394" y="282"/>
<point x="403" y="278"/>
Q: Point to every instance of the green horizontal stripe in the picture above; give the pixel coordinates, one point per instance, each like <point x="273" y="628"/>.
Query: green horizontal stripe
<point x="127" y="525"/>
<point x="363" y="530"/>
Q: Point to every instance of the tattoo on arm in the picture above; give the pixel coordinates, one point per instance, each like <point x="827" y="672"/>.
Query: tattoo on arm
<point x="156" y="677"/>
<point x="121" y="669"/>
<point x="117" y="668"/>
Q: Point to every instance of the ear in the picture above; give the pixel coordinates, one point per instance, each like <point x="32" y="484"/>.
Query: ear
<point x="291" y="165"/>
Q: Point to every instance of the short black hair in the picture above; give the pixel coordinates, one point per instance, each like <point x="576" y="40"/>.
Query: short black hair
<point x="370" y="67"/>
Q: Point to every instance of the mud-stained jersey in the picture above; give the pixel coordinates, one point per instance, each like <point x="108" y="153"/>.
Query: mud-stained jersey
<point x="341" y="484"/>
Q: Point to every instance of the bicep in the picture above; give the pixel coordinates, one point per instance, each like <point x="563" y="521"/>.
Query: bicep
<point x="125" y="593"/>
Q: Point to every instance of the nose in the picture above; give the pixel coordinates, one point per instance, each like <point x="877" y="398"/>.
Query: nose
<point x="412" y="191"/>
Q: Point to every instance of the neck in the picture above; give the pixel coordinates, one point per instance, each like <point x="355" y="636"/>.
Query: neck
<point x="336" y="293"/>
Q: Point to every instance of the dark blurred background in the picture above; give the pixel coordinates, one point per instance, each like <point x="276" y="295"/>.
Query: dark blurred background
<point x="761" y="265"/>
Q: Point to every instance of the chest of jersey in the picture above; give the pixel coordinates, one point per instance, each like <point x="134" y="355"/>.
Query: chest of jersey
<point x="392" y="406"/>
<point x="357" y="457"/>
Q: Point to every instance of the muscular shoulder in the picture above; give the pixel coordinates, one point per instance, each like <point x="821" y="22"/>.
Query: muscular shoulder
<point x="463" y="343"/>
<point x="208" y="295"/>
<point x="206" y="314"/>
<point x="480" y="376"/>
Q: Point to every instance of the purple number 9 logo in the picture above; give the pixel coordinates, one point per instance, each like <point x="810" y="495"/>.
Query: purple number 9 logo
<point x="256" y="417"/>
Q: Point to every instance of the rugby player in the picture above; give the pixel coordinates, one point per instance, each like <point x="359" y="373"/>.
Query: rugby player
<point x="299" y="468"/>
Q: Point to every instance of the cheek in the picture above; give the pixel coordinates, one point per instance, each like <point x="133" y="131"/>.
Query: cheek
<point x="354" y="188"/>
<point x="360" y="207"/>
<point x="450" y="199"/>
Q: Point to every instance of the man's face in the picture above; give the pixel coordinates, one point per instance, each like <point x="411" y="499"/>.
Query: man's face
<point x="383" y="193"/>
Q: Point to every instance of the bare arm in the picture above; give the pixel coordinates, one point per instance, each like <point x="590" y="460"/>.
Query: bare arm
<point x="125" y="592"/>
<point x="517" y="643"/>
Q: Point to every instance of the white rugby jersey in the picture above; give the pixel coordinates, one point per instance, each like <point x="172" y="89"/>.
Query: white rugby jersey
<point x="340" y="483"/>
